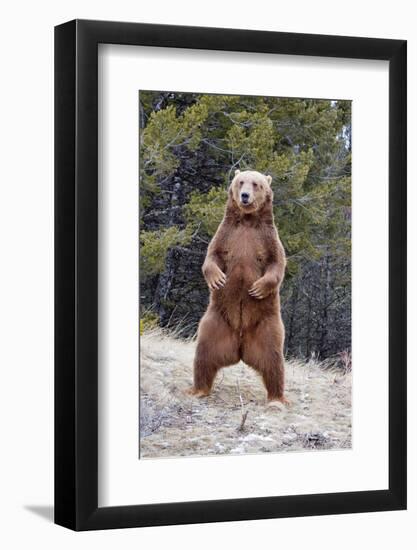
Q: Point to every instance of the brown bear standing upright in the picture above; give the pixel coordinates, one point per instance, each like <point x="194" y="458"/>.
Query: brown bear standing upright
<point x="244" y="269"/>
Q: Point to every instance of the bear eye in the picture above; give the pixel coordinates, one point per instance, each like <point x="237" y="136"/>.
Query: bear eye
<point x="241" y="183"/>
<point x="255" y="184"/>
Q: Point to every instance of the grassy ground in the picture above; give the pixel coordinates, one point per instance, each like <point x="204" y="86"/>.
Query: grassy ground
<point x="235" y="418"/>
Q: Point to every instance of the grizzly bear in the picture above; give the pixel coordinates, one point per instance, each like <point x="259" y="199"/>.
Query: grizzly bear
<point x="244" y="268"/>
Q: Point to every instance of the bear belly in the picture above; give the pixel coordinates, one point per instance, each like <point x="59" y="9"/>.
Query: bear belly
<point x="240" y="310"/>
<point x="240" y="277"/>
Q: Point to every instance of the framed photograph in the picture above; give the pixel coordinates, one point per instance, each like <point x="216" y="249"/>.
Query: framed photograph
<point x="230" y="284"/>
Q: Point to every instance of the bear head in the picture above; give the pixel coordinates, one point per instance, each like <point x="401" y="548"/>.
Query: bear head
<point x="250" y="190"/>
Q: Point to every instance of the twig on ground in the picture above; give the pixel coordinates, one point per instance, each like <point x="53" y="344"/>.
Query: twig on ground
<point x="242" y="422"/>
<point x="242" y="407"/>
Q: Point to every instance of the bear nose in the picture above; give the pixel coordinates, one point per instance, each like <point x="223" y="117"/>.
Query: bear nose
<point x="244" y="197"/>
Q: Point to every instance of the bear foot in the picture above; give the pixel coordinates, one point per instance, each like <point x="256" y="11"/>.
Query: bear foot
<point x="197" y="392"/>
<point x="278" y="401"/>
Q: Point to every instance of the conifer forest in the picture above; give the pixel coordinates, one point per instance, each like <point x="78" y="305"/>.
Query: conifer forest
<point x="190" y="146"/>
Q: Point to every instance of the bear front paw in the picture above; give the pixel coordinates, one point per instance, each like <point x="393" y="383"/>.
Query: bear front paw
<point x="260" y="289"/>
<point x="215" y="278"/>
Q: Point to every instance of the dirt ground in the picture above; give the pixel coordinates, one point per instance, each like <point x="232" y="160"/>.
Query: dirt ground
<point x="235" y="418"/>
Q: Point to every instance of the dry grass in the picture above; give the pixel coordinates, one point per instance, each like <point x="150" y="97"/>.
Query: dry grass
<point x="235" y="418"/>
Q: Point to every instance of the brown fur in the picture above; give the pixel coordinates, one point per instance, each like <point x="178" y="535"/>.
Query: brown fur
<point x="244" y="269"/>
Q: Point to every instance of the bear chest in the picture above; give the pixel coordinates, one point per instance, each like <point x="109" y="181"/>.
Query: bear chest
<point x="244" y="247"/>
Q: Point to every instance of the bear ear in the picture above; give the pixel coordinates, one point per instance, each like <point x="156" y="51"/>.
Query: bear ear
<point x="269" y="179"/>
<point x="237" y="172"/>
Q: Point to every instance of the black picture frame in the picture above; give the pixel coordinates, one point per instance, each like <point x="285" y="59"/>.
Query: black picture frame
<point x="76" y="272"/>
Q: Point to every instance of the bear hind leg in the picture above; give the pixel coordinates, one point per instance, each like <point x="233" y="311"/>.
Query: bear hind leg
<point x="263" y="351"/>
<point x="217" y="347"/>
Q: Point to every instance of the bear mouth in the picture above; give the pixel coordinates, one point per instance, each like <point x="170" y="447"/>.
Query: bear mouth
<point x="248" y="205"/>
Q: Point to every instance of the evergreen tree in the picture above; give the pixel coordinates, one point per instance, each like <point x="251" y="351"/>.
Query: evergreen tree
<point x="190" y="145"/>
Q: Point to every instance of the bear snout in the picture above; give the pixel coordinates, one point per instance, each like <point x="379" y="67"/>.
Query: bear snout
<point x="244" y="197"/>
